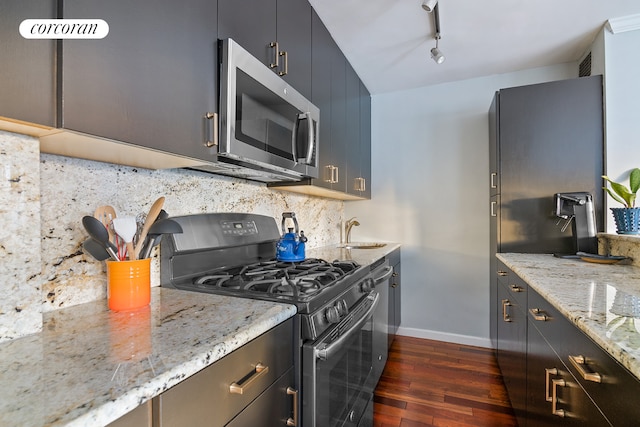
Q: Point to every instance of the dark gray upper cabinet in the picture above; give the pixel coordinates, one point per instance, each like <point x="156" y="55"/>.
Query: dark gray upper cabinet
<point x="257" y="24"/>
<point x="363" y="184"/>
<point x="27" y="74"/>
<point x="353" y="170"/>
<point x="151" y="81"/>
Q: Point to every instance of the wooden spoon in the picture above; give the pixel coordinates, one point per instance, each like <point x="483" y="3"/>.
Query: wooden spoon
<point x="151" y="218"/>
<point x="106" y="214"/>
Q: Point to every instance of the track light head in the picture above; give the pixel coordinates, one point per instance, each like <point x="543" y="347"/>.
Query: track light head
<point x="437" y="55"/>
<point x="429" y="5"/>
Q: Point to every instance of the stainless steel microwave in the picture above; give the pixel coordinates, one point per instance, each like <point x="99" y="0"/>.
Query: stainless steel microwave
<point x="268" y="131"/>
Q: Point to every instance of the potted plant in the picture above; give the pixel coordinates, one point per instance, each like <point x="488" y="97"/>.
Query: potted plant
<point x="627" y="218"/>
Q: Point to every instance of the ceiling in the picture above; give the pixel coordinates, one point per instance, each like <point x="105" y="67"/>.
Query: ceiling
<point x="388" y="41"/>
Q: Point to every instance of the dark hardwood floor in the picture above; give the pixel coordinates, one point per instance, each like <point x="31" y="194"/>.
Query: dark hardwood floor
<point x="433" y="383"/>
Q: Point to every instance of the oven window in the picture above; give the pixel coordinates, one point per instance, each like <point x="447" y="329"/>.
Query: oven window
<point x="340" y="382"/>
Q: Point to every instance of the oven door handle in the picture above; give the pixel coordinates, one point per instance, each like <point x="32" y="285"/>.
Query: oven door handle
<point x="385" y="276"/>
<point x="327" y="352"/>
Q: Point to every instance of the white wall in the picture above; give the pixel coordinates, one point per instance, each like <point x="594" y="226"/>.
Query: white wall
<point x="622" y="94"/>
<point x="430" y="165"/>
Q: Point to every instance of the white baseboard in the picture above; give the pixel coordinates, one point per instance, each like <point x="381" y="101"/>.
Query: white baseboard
<point x="446" y="337"/>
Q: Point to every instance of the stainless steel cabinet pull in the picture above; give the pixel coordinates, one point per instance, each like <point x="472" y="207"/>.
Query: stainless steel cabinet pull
<point x="336" y="179"/>
<point x="493" y="209"/>
<point x="502" y="273"/>
<point x="276" y="59"/>
<point x="492" y="180"/>
<point x="538" y="314"/>
<point x="554" y="398"/>
<point x="580" y="363"/>
<point x="293" y="422"/>
<point x="505" y="315"/>
<point x="259" y="371"/>
<point x="547" y="373"/>
<point x="286" y="63"/>
<point x="516" y="288"/>
<point x="211" y="120"/>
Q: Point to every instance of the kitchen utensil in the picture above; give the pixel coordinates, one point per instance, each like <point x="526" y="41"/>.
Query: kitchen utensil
<point x="291" y="246"/>
<point x="151" y="218"/>
<point x="96" y="250"/>
<point x="126" y="228"/>
<point x="156" y="231"/>
<point x="97" y="231"/>
<point x="106" y="214"/>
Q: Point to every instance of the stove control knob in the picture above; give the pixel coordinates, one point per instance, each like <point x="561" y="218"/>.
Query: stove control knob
<point x="366" y="286"/>
<point x="342" y="307"/>
<point x="332" y="314"/>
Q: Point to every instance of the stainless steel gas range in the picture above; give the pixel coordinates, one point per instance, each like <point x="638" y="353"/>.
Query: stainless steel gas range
<point x="234" y="254"/>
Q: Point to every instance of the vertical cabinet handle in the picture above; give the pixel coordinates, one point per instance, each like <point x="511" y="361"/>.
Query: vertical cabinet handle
<point x="276" y="56"/>
<point x="211" y="126"/>
<point x="336" y="179"/>
<point x="505" y="316"/>
<point x="493" y="208"/>
<point x="580" y="363"/>
<point x="293" y="422"/>
<point x="547" y="382"/>
<point x="554" y="397"/>
<point x="285" y="55"/>
<point x="493" y="180"/>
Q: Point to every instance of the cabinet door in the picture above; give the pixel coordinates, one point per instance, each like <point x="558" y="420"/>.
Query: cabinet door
<point x="339" y="142"/>
<point x="353" y="167"/>
<point x="512" y="348"/>
<point x="251" y="23"/>
<point x="554" y="397"/>
<point x="494" y="173"/>
<point x="294" y="38"/>
<point x="321" y="95"/>
<point x="27" y="67"/>
<point x="151" y="81"/>
<point x="365" y="140"/>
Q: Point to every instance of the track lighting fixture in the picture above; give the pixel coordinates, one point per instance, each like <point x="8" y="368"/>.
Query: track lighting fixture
<point x="436" y="54"/>
<point x="428" y="5"/>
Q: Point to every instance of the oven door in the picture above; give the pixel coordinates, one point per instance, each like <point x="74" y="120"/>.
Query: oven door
<point x="264" y="122"/>
<point x="337" y="368"/>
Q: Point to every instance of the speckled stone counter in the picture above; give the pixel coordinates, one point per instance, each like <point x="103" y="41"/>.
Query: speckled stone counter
<point x="89" y="366"/>
<point x="602" y="300"/>
<point x="364" y="257"/>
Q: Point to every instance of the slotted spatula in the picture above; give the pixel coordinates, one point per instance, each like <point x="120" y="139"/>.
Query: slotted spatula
<point x="126" y="227"/>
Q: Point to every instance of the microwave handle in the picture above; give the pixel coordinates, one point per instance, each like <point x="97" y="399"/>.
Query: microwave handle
<point x="310" y="138"/>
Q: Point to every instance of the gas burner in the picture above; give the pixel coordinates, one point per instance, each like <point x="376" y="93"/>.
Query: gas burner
<point x="301" y="279"/>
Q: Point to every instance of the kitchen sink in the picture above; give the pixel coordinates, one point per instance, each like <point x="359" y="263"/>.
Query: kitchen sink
<point x="362" y="245"/>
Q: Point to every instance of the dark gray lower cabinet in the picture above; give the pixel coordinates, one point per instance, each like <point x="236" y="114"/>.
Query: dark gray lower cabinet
<point x="512" y="350"/>
<point x="261" y="373"/>
<point x="395" y="302"/>
<point x="554" y="373"/>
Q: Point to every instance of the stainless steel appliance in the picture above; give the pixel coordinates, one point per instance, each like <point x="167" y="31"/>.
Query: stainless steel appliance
<point x="268" y="130"/>
<point x="234" y="254"/>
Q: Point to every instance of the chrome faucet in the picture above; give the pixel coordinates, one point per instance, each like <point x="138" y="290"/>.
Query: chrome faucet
<point x="347" y="228"/>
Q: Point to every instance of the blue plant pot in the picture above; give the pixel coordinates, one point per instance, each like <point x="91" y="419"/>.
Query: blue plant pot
<point x="627" y="220"/>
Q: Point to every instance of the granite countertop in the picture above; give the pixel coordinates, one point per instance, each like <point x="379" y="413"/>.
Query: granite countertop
<point x="602" y="300"/>
<point x="89" y="366"/>
<point x="364" y="257"/>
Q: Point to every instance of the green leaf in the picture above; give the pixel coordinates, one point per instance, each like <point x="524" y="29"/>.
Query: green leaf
<point x="615" y="196"/>
<point x="634" y="180"/>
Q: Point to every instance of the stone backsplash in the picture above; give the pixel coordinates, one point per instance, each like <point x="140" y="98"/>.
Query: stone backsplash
<point x="45" y="196"/>
<point x="620" y="245"/>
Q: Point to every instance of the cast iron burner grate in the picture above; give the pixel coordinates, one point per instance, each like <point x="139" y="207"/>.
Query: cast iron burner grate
<point x="295" y="279"/>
